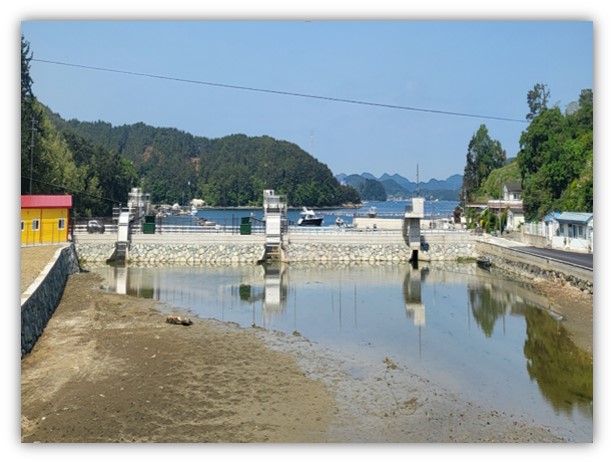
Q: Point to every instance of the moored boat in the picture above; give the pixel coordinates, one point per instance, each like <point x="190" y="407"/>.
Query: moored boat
<point x="309" y="218"/>
<point x="484" y="262"/>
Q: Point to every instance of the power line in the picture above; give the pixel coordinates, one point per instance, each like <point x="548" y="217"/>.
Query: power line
<point x="281" y="92"/>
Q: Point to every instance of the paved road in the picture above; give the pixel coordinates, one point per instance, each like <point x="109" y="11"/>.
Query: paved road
<point x="577" y="259"/>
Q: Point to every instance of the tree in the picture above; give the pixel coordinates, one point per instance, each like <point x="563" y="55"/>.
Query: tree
<point x="26" y="80"/>
<point x="556" y="160"/>
<point x="31" y="130"/>
<point x="483" y="156"/>
<point x="537" y="99"/>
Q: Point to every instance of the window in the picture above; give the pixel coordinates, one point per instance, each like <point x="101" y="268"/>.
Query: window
<point x="23" y="225"/>
<point x="35" y="224"/>
<point x="61" y="224"/>
<point x="580" y="231"/>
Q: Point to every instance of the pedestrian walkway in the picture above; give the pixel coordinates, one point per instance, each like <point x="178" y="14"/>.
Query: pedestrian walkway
<point x="502" y="242"/>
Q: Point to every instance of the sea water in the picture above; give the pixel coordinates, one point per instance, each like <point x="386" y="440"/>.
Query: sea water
<point x="383" y="209"/>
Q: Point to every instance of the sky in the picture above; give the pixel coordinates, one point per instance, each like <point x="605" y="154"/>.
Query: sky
<point x="419" y="90"/>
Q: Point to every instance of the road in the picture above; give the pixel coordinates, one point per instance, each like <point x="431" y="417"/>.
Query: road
<point x="584" y="260"/>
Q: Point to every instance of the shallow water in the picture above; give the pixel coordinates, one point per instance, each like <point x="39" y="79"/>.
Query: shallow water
<point x="485" y="338"/>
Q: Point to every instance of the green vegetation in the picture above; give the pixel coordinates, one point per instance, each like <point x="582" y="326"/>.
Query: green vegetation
<point x="53" y="161"/>
<point x="554" y="164"/>
<point x="483" y="156"/>
<point x="99" y="163"/>
<point x="492" y="187"/>
<point x="556" y="156"/>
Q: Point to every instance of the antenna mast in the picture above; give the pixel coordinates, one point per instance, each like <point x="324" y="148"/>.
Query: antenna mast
<point x="418" y="179"/>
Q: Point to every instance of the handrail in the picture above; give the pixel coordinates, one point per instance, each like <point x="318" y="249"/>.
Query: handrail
<point x="111" y="229"/>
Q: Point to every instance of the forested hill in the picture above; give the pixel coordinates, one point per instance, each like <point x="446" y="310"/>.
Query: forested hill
<point x="175" y="166"/>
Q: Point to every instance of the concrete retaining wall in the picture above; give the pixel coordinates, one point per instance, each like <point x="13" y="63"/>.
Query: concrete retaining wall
<point x="340" y="247"/>
<point x="39" y="301"/>
<point x="531" y="266"/>
<point x="298" y="247"/>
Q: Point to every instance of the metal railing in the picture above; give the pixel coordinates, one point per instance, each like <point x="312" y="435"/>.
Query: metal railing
<point x="258" y="229"/>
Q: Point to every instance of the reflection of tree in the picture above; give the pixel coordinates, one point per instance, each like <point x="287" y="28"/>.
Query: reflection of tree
<point x="563" y="372"/>
<point x="486" y="308"/>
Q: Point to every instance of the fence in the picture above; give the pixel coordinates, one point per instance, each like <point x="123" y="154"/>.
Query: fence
<point x="541" y="229"/>
<point x="257" y="228"/>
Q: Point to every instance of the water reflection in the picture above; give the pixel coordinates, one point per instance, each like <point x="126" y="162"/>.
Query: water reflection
<point x="487" y="306"/>
<point x="412" y="293"/>
<point x="272" y="294"/>
<point x="563" y="372"/>
<point x="481" y="334"/>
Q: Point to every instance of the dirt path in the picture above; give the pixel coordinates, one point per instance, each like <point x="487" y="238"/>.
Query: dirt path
<point x="33" y="261"/>
<point x="108" y="368"/>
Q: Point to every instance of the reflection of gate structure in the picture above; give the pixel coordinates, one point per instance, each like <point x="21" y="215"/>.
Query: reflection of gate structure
<point x="412" y="293"/>
<point x="274" y="290"/>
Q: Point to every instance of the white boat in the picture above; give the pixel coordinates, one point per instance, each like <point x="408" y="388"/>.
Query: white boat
<point x="309" y="218"/>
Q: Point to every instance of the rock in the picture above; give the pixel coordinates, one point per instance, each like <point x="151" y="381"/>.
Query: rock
<point x="178" y="320"/>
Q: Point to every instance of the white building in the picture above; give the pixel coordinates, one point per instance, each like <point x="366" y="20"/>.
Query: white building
<point x="574" y="232"/>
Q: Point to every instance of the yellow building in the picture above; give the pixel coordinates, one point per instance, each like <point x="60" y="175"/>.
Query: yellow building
<point x="44" y="218"/>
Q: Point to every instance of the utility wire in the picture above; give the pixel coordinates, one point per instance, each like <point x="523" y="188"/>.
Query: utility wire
<point x="281" y="92"/>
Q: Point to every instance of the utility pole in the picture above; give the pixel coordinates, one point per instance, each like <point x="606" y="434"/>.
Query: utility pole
<point x="32" y="155"/>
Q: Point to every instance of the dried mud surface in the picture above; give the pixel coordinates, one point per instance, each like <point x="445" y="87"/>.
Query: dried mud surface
<point x="108" y="368"/>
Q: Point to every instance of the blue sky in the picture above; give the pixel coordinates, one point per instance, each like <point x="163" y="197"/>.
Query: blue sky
<point x="480" y="68"/>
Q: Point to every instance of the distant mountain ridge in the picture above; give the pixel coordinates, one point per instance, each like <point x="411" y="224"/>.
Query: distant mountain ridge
<point x="399" y="187"/>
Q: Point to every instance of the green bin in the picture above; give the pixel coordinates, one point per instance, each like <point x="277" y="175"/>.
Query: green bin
<point x="150" y="219"/>
<point x="245" y="220"/>
<point x="246" y="229"/>
<point x="149" y="228"/>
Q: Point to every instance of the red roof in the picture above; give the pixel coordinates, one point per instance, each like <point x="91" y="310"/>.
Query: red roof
<point x="46" y="201"/>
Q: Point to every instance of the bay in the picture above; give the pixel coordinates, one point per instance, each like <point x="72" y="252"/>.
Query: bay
<point x="227" y="217"/>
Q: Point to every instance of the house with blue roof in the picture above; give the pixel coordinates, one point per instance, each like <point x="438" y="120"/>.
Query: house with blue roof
<point x="574" y="232"/>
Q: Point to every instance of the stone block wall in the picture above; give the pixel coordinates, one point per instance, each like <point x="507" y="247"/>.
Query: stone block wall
<point x="39" y="301"/>
<point x="324" y="248"/>
<point x="182" y="253"/>
<point x="347" y="252"/>
<point x="447" y="251"/>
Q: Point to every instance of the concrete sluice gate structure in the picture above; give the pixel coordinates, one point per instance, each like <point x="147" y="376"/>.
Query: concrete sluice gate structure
<point x="379" y="239"/>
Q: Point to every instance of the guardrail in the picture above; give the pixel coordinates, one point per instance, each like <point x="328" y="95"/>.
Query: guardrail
<point x="425" y="231"/>
<point x="258" y="229"/>
<point x="303" y="230"/>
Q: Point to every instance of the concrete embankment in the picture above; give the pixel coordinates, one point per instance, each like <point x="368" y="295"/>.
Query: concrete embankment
<point x="377" y="247"/>
<point x="339" y="247"/>
<point x="531" y="266"/>
<point x="198" y="249"/>
<point x="40" y="299"/>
